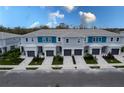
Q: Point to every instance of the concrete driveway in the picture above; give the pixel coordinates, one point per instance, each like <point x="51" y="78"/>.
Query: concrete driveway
<point x="120" y="58"/>
<point x="102" y="63"/>
<point x="80" y="63"/>
<point x="68" y="63"/>
<point x="47" y="63"/>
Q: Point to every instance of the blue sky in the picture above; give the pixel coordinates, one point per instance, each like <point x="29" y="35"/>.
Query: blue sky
<point x="100" y="16"/>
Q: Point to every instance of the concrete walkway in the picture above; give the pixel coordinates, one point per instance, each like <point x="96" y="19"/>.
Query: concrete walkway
<point x="24" y="64"/>
<point x="80" y="63"/>
<point x="102" y="63"/>
<point x="47" y="63"/>
<point x="68" y="63"/>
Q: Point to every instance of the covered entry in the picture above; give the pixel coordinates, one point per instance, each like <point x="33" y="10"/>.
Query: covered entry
<point x="78" y="52"/>
<point x="95" y="51"/>
<point x="30" y="53"/>
<point x="115" y="51"/>
<point x="49" y="53"/>
<point x="67" y="52"/>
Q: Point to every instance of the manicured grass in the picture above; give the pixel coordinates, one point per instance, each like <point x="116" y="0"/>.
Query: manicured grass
<point x="8" y="61"/>
<point x="31" y="68"/>
<point x="11" y="58"/>
<point x="56" y="68"/>
<point x="74" y="62"/>
<point x="95" y="67"/>
<point x="37" y="61"/>
<point x="57" y="60"/>
<point x="111" y="60"/>
<point x="118" y="66"/>
<point x="90" y="59"/>
<point x="6" y="68"/>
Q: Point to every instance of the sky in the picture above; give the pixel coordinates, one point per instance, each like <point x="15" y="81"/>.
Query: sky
<point x="33" y="16"/>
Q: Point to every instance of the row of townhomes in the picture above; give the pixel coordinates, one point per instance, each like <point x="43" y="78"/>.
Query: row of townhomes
<point x="8" y="42"/>
<point x="68" y="42"/>
<point x="63" y="42"/>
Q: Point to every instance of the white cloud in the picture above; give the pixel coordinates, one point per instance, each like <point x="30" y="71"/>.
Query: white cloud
<point x="35" y="24"/>
<point x="88" y="17"/>
<point x="53" y="18"/>
<point x="69" y="8"/>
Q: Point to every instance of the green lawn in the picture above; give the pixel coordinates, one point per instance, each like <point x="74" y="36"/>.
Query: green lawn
<point x="90" y="59"/>
<point x="11" y="58"/>
<point x="10" y="62"/>
<point x="57" y="60"/>
<point x="111" y="60"/>
<point x="37" y="61"/>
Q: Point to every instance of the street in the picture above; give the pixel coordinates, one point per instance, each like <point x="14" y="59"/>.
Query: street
<point x="62" y="79"/>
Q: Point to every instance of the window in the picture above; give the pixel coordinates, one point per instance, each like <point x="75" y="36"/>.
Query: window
<point x="67" y="40"/>
<point x="78" y="40"/>
<point x="117" y="39"/>
<point x="111" y="39"/>
<point x="26" y="39"/>
<point x="94" y="39"/>
<point x="59" y="39"/>
<point x="32" y="39"/>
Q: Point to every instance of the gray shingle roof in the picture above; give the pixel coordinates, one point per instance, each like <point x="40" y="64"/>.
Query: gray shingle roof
<point x="4" y="35"/>
<point x="71" y="33"/>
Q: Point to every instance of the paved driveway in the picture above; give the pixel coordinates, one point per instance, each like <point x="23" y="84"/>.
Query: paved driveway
<point x="103" y="64"/>
<point x="120" y="58"/>
<point x="80" y="63"/>
<point x="24" y="64"/>
<point x="68" y="62"/>
<point x="47" y="63"/>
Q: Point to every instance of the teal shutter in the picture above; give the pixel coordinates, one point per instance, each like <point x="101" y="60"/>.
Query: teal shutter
<point x="40" y="40"/>
<point x="103" y="39"/>
<point x="53" y="39"/>
<point x="90" y="39"/>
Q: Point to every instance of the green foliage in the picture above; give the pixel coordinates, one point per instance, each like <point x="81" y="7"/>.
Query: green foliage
<point x="57" y="60"/>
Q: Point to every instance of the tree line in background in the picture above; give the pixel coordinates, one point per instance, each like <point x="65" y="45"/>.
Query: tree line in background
<point x="21" y="30"/>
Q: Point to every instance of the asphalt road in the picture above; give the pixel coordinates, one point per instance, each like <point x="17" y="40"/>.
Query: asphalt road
<point x="62" y="79"/>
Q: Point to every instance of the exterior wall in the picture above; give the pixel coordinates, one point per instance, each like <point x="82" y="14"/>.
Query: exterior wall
<point x="9" y="42"/>
<point x="50" y="43"/>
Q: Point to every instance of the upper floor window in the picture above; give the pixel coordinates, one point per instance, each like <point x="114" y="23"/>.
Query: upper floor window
<point x="59" y="39"/>
<point x="26" y="39"/>
<point x="94" y="39"/>
<point x="32" y="39"/>
<point x="78" y="40"/>
<point x="67" y="40"/>
<point x="111" y="39"/>
<point x="117" y="39"/>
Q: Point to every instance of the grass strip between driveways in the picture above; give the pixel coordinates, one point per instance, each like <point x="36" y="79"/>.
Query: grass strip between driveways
<point x="57" y="60"/>
<point x="37" y="61"/>
<point x="90" y="59"/>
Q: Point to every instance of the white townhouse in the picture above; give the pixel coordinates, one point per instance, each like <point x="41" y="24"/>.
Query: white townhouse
<point x="68" y="42"/>
<point x="8" y="41"/>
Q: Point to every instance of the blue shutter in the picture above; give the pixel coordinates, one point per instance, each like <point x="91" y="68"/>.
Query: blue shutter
<point x="40" y="40"/>
<point x="103" y="39"/>
<point x="53" y="39"/>
<point x="90" y="39"/>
